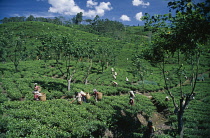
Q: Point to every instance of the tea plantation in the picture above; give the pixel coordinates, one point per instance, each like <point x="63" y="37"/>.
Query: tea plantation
<point x="52" y="68"/>
<point x="21" y="116"/>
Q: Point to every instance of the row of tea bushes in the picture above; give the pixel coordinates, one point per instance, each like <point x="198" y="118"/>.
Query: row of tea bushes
<point x="60" y="118"/>
<point x="196" y="116"/>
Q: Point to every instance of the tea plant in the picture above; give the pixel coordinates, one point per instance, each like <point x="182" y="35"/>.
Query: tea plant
<point x="29" y="118"/>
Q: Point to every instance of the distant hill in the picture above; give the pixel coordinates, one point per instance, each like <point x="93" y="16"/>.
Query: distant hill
<point x="33" y="31"/>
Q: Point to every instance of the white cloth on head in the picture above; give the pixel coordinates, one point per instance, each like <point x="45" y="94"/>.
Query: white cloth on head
<point x="83" y="93"/>
<point x="79" y="97"/>
<point x="36" y="92"/>
<point x="132" y="93"/>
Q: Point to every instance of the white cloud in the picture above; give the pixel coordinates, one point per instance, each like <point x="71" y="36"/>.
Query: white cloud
<point x="42" y="14"/>
<point x="140" y="2"/>
<point x="138" y="16"/>
<point x="125" y="18"/>
<point x="35" y="14"/>
<point x="102" y="7"/>
<point x="69" y="7"/>
<point x="91" y="3"/>
<point x="98" y="9"/>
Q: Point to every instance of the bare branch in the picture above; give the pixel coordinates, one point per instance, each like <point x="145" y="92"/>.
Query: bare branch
<point x="167" y="88"/>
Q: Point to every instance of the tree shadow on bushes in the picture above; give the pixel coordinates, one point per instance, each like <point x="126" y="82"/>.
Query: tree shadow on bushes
<point x="51" y="86"/>
<point x="126" y="124"/>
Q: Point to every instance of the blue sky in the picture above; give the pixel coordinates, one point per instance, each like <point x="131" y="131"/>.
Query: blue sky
<point x="126" y="11"/>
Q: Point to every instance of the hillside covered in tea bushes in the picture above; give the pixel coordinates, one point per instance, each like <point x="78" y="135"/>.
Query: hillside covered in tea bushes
<point x="53" y="55"/>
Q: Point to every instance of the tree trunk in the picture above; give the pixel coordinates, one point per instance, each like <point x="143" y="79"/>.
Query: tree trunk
<point x="69" y="81"/>
<point x="69" y="85"/>
<point x="180" y="118"/>
<point x="88" y="72"/>
<point x="180" y="124"/>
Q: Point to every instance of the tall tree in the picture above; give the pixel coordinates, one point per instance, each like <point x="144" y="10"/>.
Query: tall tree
<point x="78" y="18"/>
<point x="13" y="47"/>
<point x="104" y="55"/>
<point x="68" y="45"/>
<point x="182" y="34"/>
<point x="59" y="20"/>
<point x="5" y="20"/>
<point x="30" y="18"/>
<point x="89" y="52"/>
<point x="140" y="70"/>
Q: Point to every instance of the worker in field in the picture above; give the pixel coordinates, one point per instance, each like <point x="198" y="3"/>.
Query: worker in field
<point x="131" y="101"/>
<point x="131" y="95"/>
<point x="114" y="83"/>
<point x="83" y="96"/>
<point x="87" y="97"/>
<point x="79" y="98"/>
<point x="98" y="95"/>
<point x="36" y="92"/>
<point x="149" y="133"/>
<point x="167" y="98"/>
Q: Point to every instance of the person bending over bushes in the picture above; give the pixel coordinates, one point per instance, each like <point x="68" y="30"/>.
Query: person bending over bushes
<point x="131" y="100"/>
<point x="36" y="92"/>
<point x="98" y="95"/>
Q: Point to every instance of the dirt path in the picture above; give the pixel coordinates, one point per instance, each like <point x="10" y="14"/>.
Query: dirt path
<point x="160" y="121"/>
<point x="158" y="118"/>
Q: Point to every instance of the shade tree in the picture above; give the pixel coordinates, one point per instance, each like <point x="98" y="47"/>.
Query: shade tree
<point x="140" y="69"/>
<point x="181" y="34"/>
<point x="13" y="47"/>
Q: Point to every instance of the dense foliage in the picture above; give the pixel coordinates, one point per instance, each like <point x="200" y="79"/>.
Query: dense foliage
<point x="68" y="59"/>
<point x="196" y="115"/>
<point x="182" y="34"/>
<point x="60" y="118"/>
<point x="103" y="27"/>
<point x="24" y="117"/>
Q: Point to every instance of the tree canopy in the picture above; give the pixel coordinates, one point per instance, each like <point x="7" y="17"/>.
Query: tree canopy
<point x="184" y="31"/>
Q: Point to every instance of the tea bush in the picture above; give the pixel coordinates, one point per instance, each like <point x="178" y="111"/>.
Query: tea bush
<point x="196" y="115"/>
<point x="20" y="116"/>
<point x="29" y="118"/>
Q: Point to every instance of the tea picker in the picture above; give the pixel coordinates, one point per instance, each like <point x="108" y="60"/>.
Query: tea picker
<point x="36" y="91"/>
<point x="131" y="100"/>
<point x="98" y="95"/>
<point x="78" y="97"/>
<point x="83" y="96"/>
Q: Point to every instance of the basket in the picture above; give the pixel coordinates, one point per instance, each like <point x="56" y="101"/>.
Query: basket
<point x="100" y="95"/>
<point x="79" y="102"/>
<point x="39" y="89"/>
<point x="42" y="97"/>
<point x="88" y="96"/>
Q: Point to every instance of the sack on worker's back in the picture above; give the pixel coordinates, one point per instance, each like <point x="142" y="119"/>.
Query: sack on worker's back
<point x="100" y="95"/>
